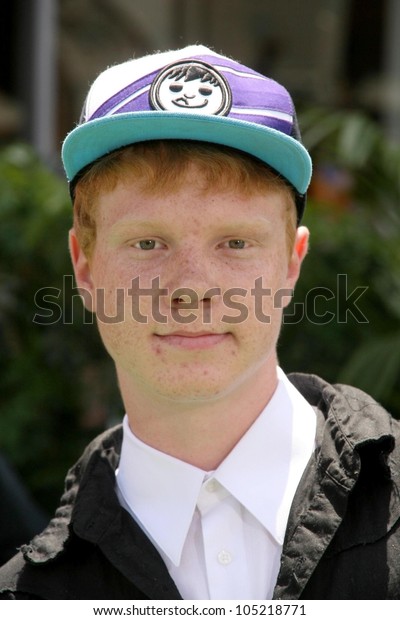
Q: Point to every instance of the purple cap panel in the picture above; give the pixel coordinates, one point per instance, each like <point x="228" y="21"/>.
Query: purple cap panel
<point x="254" y="98"/>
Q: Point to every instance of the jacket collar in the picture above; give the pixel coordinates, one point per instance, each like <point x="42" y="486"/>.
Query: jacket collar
<point x="352" y="423"/>
<point x="47" y="545"/>
<point x="90" y="508"/>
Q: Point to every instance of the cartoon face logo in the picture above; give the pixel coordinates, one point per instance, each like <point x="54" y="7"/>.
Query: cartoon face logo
<point x="191" y="86"/>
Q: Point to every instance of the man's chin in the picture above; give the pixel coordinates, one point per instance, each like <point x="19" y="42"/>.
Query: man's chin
<point x="196" y="392"/>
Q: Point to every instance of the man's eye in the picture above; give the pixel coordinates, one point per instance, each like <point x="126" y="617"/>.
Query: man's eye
<point x="236" y="244"/>
<point x="146" y="244"/>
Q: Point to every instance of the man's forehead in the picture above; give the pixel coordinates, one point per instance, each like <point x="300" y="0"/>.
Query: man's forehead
<point x="137" y="201"/>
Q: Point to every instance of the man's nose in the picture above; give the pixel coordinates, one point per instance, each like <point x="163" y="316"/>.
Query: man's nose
<point x="192" y="277"/>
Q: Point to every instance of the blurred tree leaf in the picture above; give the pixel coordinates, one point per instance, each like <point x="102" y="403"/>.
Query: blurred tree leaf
<point x="365" y="366"/>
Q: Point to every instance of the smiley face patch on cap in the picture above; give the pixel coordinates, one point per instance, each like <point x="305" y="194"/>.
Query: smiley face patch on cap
<point x="193" y="86"/>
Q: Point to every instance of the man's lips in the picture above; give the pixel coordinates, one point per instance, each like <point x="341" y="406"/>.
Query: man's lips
<point x="192" y="340"/>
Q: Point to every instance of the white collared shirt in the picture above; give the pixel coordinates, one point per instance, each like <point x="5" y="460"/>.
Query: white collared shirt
<point x="221" y="533"/>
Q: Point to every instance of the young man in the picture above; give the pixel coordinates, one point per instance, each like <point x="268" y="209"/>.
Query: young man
<point x="227" y="479"/>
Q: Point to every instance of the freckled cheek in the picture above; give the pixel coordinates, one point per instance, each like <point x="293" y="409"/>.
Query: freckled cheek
<point x="128" y="343"/>
<point x="116" y="295"/>
<point x="109" y="304"/>
<point x="258" y="306"/>
<point x="260" y="328"/>
<point x="114" y="338"/>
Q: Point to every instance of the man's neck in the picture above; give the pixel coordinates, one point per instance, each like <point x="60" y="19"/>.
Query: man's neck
<point x="201" y="433"/>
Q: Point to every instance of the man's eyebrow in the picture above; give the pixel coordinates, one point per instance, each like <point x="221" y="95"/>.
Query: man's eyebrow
<point x="132" y="221"/>
<point x="227" y="227"/>
<point x="134" y="226"/>
<point x="247" y="224"/>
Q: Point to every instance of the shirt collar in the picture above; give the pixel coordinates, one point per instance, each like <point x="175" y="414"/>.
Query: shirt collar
<point x="262" y="472"/>
<point x="264" y="469"/>
<point x="162" y="494"/>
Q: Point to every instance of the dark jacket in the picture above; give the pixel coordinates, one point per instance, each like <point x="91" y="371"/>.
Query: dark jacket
<point x="342" y="539"/>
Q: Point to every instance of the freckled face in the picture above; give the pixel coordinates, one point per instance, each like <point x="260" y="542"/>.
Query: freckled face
<point x="174" y="282"/>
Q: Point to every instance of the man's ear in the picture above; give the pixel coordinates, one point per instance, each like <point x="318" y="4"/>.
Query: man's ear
<point x="82" y="271"/>
<point x="299" y="252"/>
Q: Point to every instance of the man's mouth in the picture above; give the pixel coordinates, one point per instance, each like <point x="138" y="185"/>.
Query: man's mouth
<point x="192" y="340"/>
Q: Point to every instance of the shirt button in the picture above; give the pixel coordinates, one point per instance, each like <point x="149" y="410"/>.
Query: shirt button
<point x="224" y="557"/>
<point x="211" y="485"/>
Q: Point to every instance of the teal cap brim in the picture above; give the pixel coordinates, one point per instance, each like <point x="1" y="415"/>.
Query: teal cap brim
<point x="94" y="139"/>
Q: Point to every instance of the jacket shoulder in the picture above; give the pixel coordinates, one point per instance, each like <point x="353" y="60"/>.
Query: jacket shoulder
<point x="16" y="576"/>
<point x="10" y="575"/>
<point x="317" y="390"/>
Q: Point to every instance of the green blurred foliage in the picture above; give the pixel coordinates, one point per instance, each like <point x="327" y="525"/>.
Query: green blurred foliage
<point x="57" y="385"/>
<point x="354" y="218"/>
<point x="55" y="382"/>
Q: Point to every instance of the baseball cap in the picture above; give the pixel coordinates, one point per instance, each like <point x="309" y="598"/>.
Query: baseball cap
<point x="196" y="94"/>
